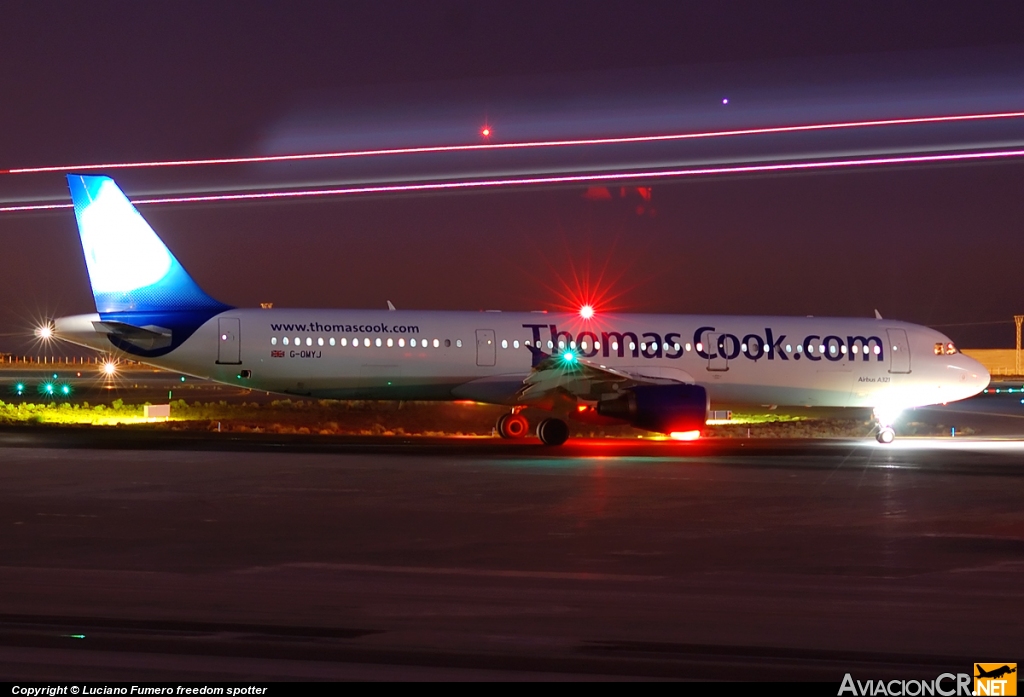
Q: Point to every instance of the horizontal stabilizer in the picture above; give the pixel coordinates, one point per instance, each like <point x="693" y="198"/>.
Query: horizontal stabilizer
<point x="148" y="338"/>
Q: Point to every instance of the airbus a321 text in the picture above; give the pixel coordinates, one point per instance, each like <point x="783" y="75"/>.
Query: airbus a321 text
<point x="661" y="373"/>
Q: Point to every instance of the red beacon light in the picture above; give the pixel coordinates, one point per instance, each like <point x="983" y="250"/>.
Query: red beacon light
<point x="587" y="312"/>
<point x="485" y="131"/>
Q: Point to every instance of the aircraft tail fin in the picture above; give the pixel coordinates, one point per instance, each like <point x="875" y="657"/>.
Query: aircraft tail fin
<point x="130" y="268"/>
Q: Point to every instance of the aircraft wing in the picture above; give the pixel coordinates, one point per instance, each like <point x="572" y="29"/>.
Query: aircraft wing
<point x="567" y="376"/>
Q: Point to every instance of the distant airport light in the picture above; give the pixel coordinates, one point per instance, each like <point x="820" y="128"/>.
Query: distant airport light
<point x="109" y="368"/>
<point x="19" y="388"/>
<point x="684" y="435"/>
<point x="65" y="390"/>
<point x="725" y="100"/>
<point x="837" y="125"/>
<point x="586" y="312"/>
<point x="557" y="179"/>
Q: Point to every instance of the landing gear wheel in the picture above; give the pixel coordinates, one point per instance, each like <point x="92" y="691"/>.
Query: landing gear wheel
<point x="552" y="432"/>
<point x="886" y="435"/>
<point x="512" y="426"/>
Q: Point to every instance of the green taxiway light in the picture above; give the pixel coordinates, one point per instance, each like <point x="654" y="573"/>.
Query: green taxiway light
<point x="66" y="389"/>
<point x="75" y="636"/>
<point x="183" y="378"/>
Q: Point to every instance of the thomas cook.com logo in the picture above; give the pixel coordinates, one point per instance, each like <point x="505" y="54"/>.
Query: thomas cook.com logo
<point x="989" y="679"/>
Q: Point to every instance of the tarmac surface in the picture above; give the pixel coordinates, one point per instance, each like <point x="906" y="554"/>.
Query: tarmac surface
<point x="201" y="556"/>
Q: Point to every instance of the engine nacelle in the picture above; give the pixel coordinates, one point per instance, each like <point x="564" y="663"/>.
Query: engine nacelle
<point x="660" y="408"/>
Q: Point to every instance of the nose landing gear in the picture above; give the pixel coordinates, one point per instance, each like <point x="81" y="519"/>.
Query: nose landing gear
<point x="884" y="418"/>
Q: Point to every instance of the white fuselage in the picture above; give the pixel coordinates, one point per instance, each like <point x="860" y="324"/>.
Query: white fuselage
<point x="483" y="356"/>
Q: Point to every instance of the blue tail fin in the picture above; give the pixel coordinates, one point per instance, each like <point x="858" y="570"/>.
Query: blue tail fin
<point x="130" y="269"/>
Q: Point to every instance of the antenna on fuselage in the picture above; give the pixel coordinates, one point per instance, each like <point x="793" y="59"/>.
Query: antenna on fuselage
<point x="878" y="315"/>
<point x="391" y="306"/>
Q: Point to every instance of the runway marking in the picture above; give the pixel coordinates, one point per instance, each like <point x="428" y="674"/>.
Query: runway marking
<point x="457" y="571"/>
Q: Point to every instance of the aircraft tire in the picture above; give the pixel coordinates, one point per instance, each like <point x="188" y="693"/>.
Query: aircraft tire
<point x="886" y="436"/>
<point x="512" y="426"/>
<point x="552" y="431"/>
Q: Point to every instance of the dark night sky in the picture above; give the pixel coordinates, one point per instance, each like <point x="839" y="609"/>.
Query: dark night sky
<point x="129" y="81"/>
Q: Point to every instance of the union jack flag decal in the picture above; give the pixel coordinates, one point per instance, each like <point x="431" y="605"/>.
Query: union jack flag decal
<point x="277" y="354"/>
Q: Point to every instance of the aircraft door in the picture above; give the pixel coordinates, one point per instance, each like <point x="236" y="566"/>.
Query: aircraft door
<point x="229" y="345"/>
<point x="714" y="345"/>
<point x="899" y="351"/>
<point x="486" y="348"/>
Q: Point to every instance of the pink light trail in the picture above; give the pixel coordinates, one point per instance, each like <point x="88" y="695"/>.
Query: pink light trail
<point x="520" y="145"/>
<point x="561" y="179"/>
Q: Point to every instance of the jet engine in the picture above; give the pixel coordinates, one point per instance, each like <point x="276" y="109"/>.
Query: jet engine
<point x="660" y="408"/>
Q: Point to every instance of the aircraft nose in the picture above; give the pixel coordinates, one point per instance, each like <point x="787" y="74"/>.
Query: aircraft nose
<point x="973" y="375"/>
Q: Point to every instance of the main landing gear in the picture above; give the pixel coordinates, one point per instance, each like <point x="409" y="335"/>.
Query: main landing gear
<point x="515" y="425"/>
<point x="552" y="431"/>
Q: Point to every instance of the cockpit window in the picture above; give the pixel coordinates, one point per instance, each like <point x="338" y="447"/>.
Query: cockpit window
<point x="939" y="349"/>
<point x="950" y="349"/>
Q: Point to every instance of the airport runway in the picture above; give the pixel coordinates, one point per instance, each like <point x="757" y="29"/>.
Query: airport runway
<point x="199" y="557"/>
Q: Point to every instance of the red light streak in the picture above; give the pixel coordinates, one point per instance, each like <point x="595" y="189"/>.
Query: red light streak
<point x="509" y="146"/>
<point x="557" y="179"/>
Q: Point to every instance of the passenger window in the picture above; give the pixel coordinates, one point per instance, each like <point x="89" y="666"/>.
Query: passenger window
<point x="447" y="343"/>
<point x="273" y="341"/>
<point x="458" y="343"/>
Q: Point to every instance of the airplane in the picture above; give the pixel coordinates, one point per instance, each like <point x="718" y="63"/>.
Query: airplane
<point x="995" y="673"/>
<point x="660" y="373"/>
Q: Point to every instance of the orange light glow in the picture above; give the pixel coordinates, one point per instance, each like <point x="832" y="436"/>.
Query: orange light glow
<point x="684" y="435"/>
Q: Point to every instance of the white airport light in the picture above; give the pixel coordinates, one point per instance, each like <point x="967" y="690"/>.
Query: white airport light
<point x="109" y="368"/>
